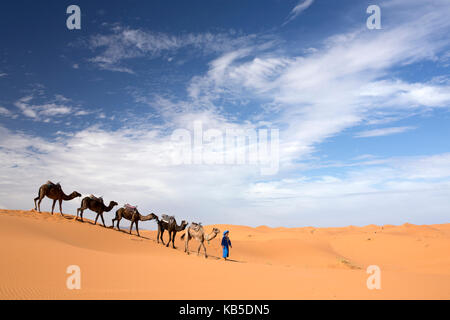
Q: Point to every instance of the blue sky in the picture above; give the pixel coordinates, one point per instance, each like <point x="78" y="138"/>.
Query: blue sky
<point x="363" y="115"/>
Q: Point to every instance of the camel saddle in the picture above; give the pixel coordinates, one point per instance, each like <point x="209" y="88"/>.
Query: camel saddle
<point x="99" y="199"/>
<point x="129" y="208"/>
<point x="196" y="226"/>
<point x="167" y="218"/>
<point x="51" y="184"/>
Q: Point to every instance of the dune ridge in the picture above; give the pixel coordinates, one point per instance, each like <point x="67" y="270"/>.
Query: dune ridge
<point x="266" y="263"/>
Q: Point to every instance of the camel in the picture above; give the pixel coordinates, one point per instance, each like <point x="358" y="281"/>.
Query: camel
<point x="134" y="216"/>
<point x="95" y="204"/>
<point x="197" y="232"/>
<point x="169" y="223"/>
<point x="54" y="192"/>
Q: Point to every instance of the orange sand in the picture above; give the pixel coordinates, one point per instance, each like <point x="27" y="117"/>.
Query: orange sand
<point x="268" y="263"/>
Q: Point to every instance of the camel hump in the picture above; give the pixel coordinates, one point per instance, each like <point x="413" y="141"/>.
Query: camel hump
<point x="99" y="199"/>
<point x="167" y="218"/>
<point x="196" y="226"/>
<point x="129" y="208"/>
<point x="51" y="184"/>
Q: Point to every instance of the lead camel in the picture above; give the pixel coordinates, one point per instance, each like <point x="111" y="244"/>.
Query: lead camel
<point x="54" y="192"/>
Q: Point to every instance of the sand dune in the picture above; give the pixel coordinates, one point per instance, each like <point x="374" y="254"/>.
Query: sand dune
<point x="267" y="263"/>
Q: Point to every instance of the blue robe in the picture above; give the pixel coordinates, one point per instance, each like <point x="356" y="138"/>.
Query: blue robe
<point x="225" y="243"/>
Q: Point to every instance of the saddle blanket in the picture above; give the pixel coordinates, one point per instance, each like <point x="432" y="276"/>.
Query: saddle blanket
<point x="130" y="208"/>
<point x="167" y="218"/>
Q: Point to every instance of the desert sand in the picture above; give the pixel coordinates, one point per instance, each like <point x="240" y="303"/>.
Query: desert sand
<point x="266" y="263"/>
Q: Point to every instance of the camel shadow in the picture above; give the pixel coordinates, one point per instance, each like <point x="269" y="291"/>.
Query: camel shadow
<point x="111" y="228"/>
<point x="194" y="253"/>
<point x="237" y="261"/>
<point x="128" y="233"/>
<point x="228" y="260"/>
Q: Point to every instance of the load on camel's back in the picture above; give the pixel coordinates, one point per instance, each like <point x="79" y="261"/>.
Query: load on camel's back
<point x="54" y="192"/>
<point x="95" y="204"/>
<point x="170" y="224"/>
<point x="132" y="214"/>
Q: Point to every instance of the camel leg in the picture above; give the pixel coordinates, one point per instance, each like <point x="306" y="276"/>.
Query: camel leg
<point x="53" y="206"/>
<point x="170" y="238"/>
<point x="96" y="218"/>
<point x="173" y="239"/>
<point x="114" y="219"/>
<point x="157" y="236"/>
<point x="204" y="248"/>
<point x="118" y="228"/>
<point x="137" y="228"/>
<point x="131" y="225"/>
<point x="78" y="211"/>
<point x="186" y="242"/>
<point x="40" y="196"/>
<point x="60" y="207"/>
<point x="162" y="232"/>
<point x="35" y="203"/>
<point x="39" y="204"/>
<point x="199" y="247"/>
<point x="103" y="220"/>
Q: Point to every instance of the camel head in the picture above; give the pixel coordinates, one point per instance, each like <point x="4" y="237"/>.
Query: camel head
<point x="75" y="194"/>
<point x="150" y="216"/>
<point x="183" y="224"/>
<point x="215" y="230"/>
<point x="113" y="204"/>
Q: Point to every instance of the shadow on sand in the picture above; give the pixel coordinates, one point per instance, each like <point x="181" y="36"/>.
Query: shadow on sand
<point x="136" y="238"/>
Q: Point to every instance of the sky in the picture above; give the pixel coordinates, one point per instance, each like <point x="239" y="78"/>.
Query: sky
<point x="136" y="106"/>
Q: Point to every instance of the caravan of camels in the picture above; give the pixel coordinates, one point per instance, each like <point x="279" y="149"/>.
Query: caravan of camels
<point x="194" y="231"/>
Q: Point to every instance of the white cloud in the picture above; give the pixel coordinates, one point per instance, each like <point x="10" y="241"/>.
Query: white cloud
<point x="336" y="87"/>
<point x="44" y="110"/>
<point x="57" y="107"/>
<point x="382" y="132"/>
<point x="5" y="112"/>
<point x="26" y="109"/>
<point x="299" y="8"/>
<point x="126" y="43"/>
<point x="397" y="93"/>
<point x="82" y="113"/>
<point x="133" y="166"/>
<point x="395" y="191"/>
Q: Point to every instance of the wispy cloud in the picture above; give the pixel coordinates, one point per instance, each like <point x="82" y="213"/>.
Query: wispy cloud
<point x="5" y="112"/>
<point x="299" y="8"/>
<point x="123" y="43"/>
<point x="382" y="132"/>
<point x="57" y="107"/>
<point x="336" y="87"/>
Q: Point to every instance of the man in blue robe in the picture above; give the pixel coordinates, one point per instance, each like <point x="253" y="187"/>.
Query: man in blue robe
<point x="226" y="244"/>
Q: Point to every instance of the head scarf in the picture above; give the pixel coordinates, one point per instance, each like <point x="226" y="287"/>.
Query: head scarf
<point x="225" y="232"/>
